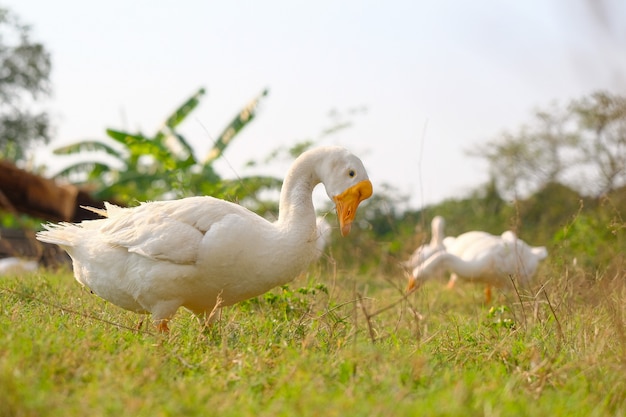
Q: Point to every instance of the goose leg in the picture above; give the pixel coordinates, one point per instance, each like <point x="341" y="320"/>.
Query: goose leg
<point x="162" y="312"/>
<point x="451" y="281"/>
<point x="487" y="294"/>
<point x="162" y="326"/>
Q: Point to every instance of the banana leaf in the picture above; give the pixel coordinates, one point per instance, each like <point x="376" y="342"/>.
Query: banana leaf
<point x="185" y="158"/>
<point x="91" y="168"/>
<point x="127" y="139"/>
<point x="139" y="145"/>
<point x="244" y="117"/>
<point x="168" y="131"/>
<point x="88" y="146"/>
<point x="185" y="146"/>
<point x="183" y="111"/>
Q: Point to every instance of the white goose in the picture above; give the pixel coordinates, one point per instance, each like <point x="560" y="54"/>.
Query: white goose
<point x="440" y="242"/>
<point x="484" y="258"/>
<point x="159" y="256"/>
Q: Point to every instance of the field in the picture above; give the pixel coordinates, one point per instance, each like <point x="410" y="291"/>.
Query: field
<point x="336" y="342"/>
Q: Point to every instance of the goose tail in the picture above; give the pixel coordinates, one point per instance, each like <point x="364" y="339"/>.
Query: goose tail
<point x="62" y="234"/>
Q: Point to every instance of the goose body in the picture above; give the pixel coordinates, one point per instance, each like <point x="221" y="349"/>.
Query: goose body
<point x="460" y="244"/>
<point x="160" y="256"/>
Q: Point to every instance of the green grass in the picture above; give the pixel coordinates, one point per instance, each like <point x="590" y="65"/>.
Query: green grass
<point x="322" y="347"/>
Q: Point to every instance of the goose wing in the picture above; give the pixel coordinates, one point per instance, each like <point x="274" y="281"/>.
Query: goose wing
<point x="169" y="230"/>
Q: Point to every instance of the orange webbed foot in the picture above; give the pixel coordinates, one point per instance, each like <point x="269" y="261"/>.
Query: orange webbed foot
<point x="162" y="326"/>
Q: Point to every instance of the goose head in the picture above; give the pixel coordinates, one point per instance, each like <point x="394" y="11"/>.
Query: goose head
<point x="347" y="185"/>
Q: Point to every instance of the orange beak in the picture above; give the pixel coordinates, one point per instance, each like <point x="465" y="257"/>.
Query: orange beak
<point x="412" y="285"/>
<point x="348" y="201"/>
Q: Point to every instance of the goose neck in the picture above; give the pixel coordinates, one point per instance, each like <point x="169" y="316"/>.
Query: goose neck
<point x="296" y="199"/>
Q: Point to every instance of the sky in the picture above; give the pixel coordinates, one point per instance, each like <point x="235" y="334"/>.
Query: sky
<point x="422" y="82"/>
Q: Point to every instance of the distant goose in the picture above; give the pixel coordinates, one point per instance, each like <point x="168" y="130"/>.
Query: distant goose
<point x="14" y="265"/>
<point x="160" y="256"/>
<point x="484" y="258"/>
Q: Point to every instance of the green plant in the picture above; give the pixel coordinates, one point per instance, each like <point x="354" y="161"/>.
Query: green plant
<point x="163" y="165"/>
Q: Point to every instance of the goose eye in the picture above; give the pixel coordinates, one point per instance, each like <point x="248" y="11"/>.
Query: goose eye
<point x="351" y="173"/>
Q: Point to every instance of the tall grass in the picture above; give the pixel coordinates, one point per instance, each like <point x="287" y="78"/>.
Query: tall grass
<point x="335" y="342"/>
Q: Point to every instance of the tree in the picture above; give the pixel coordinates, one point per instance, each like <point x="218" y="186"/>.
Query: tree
<point x="582" y="145"/>
<point x="602" y="121"/>
<point x="24" y="76"/>
<point x="537" y="155"/>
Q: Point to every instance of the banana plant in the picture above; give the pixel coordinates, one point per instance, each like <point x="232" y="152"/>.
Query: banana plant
<point x="162" y="166"/>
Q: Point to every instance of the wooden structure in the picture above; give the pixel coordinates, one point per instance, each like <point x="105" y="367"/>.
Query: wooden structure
<point x="23" y="192"/>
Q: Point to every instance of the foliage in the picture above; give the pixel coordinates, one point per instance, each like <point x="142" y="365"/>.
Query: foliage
<point x="19" y="221"/>
<point x="24" y="75"/>
<point x="161" y="166"/>
<point x="594" y="238"/>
